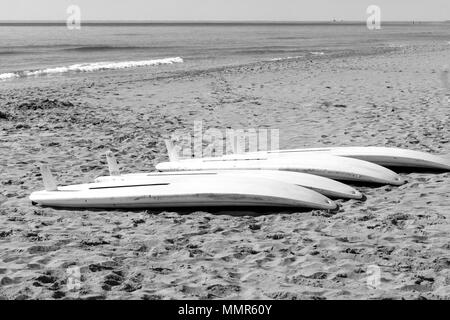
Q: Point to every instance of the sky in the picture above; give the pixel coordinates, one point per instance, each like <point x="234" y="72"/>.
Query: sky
<point x="286" y="10"/>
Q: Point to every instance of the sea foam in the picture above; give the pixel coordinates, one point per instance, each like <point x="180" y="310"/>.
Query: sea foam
<point x="90" y="67"/>
<point x="286" y="58"/>
<point x="5" y="76"/>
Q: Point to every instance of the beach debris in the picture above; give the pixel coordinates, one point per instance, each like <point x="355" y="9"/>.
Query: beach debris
<point x="45" y="104"/>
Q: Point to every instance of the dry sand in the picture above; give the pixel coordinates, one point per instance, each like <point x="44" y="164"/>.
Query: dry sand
<point x="391" y="99"/>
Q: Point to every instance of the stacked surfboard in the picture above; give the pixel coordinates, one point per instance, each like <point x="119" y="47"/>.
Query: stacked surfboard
<point x="297" y="178"/>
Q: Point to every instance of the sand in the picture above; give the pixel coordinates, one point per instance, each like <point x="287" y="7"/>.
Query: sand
<point x="385" y="99"/>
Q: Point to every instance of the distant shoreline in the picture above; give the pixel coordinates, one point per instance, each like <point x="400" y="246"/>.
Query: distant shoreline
<point x="205" y="23"/>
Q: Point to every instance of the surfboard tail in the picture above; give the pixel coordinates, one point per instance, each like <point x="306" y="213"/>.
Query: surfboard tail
<point x="50" y="183"/>
<point x="112" y="164"/>
<point x="171" y="151"/>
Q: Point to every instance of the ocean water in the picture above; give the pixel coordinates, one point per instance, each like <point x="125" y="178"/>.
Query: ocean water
<point x="53" y="50"/>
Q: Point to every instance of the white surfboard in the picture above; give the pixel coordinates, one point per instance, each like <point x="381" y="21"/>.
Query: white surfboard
<point x="325" y="186"/>
<point x="392" y="157"/>
<point x="204" y="191"/>
<point x="329" y="166"/>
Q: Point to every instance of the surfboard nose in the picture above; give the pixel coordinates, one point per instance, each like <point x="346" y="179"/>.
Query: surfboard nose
<point x="398" y="181"/>
<point x="331" y="204"/>
<point x="355" y="194"/>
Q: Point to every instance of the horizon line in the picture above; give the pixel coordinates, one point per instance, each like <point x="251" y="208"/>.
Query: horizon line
<point x="132" y="21"/>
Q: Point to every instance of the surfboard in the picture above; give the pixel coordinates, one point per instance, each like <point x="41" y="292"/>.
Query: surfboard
<point x="325" y="165"/>
<point x="325" y="186"/>
<point x="195" y="191"/>
<point x="391" y="157"/>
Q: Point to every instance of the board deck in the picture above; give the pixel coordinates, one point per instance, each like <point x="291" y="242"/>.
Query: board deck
<point x="391" y="157"/>
<point x="325" y="186"/>
<point x="194" y="191"/>
<point x="329" y="166"/>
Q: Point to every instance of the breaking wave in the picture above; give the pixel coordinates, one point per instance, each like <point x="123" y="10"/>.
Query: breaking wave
<point x="286" y="58"/>
<point x="5" y="76"/>
<point x="90" y="67"/>
<point x="317" y="53"/>
<point x="313" y="53"/>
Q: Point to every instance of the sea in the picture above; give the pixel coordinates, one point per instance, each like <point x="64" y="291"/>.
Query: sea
<point x="36" y="50"/>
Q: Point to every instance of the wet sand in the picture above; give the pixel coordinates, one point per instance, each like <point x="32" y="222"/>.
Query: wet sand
<point x="386" y="99"/>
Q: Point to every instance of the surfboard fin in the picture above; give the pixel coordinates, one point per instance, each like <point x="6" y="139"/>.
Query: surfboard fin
<point x="49" y="180"/>
<point x="171" y="151"/>
<point x="112" y="164"/>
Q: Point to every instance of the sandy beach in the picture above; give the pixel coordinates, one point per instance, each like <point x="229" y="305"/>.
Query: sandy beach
<point x="390" y="98"/>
